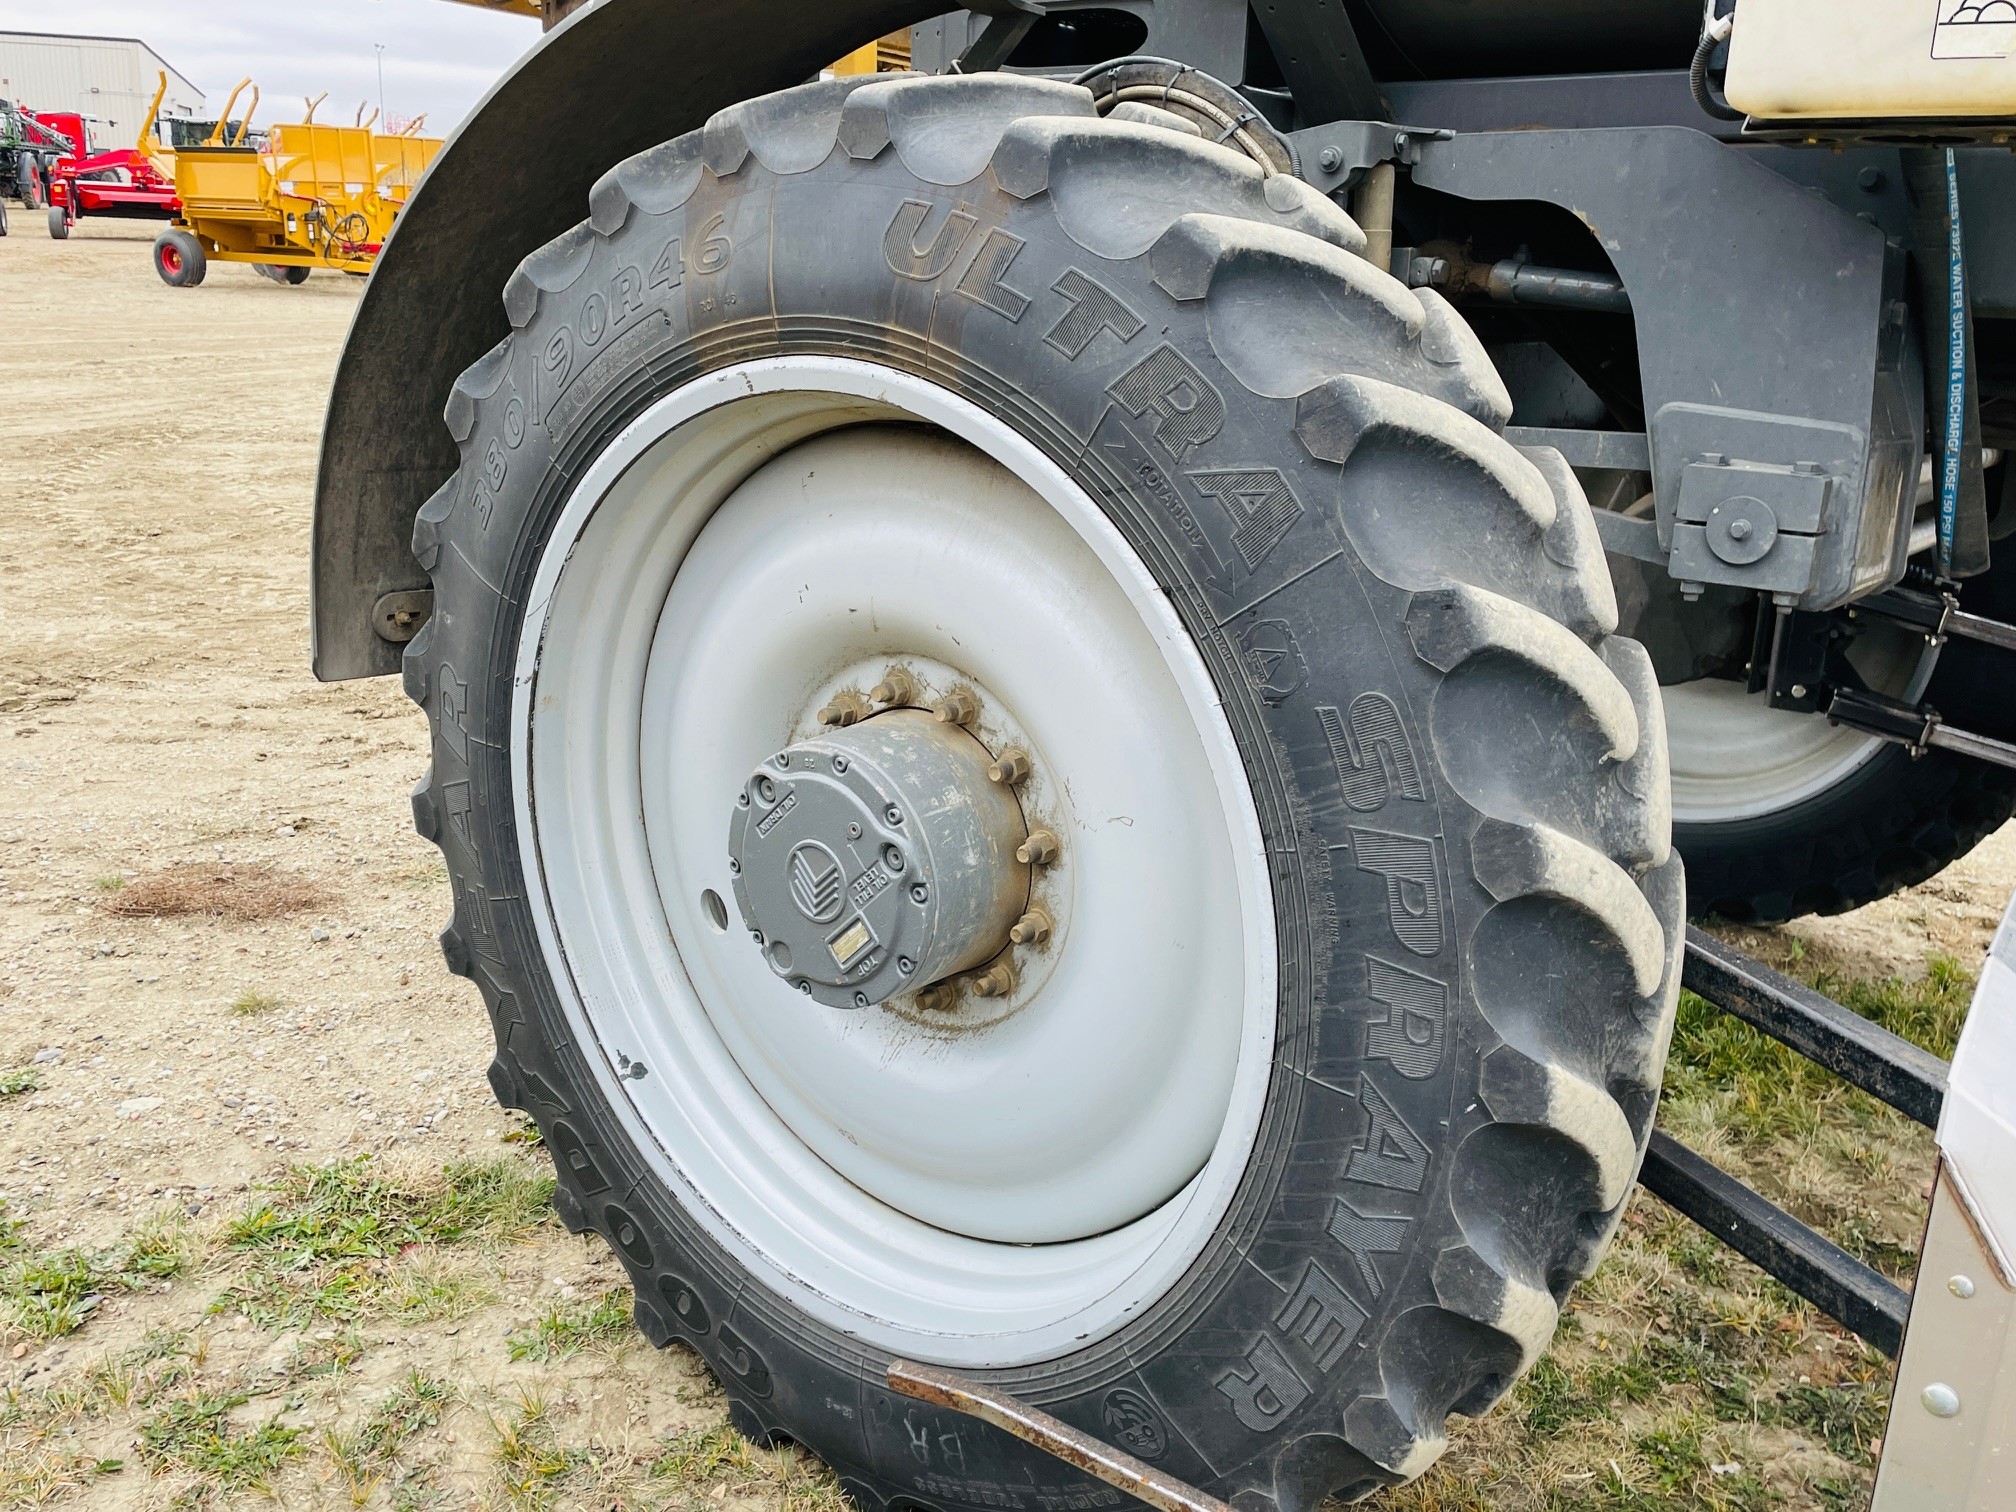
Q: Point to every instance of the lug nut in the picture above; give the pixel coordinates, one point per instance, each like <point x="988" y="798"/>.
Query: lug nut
<point x="898" y="689"/>
<point x="1033" y="928"/>
<point x="1040" y="849"/>
<point x="998" y="980"/>
<point x="1012" y="768"/>
<point x="957" y="708"/>
<point x="938" y="997"/>
<point x="847" y="709"/>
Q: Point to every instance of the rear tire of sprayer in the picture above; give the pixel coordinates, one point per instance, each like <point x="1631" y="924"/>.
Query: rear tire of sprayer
<point x="1324" y="1073"/>
<point x="179" y="259"/>
<point x="59" y="224"/>
<point x="31" y="189"/>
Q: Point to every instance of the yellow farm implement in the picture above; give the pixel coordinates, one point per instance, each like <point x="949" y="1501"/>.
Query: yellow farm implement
<point x="312" y="196"/>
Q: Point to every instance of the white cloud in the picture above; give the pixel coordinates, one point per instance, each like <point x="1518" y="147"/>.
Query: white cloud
<point x="439" y="58"/>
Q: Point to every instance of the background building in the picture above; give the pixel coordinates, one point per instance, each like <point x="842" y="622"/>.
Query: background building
<point x="108" y="79"/>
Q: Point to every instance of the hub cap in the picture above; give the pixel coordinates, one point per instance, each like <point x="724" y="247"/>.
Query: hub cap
<point x="878" y="859"/>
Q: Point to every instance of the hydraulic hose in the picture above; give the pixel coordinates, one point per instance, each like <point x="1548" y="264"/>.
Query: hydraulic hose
<point x="1714" y="32"/>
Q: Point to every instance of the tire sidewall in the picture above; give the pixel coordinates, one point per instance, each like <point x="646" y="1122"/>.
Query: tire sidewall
<point x="769" y="265"/>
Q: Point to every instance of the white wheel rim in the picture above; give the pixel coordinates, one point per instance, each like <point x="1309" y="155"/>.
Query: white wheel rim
<point x="988" y="1198"/>
<point x="1734" y="757"/>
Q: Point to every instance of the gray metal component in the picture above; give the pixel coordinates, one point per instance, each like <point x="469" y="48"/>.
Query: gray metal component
<point x="1560" y="101"/>
<point x="1008" y="22"/>
<point x="1794" y="482"/>
<point x="1516" y="282"/>
<point x="1207" y="34"/>
<point x="1626" y="451"/>
<point x="616" y="77"/>
<point x="875" y="859"/>
<point x="1333" y="156"/>
<point x="1627" y="537"/>
<point x="1741" y="346"/>
<point x="1323" y="61"/>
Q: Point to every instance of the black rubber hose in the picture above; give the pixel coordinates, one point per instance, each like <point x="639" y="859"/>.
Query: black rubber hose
<point x="1706" y="95"/>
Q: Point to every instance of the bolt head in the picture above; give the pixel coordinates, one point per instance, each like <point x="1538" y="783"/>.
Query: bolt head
<point x="1941" y="1400"/>
<point x="1330" y="160"/>
<point x="1961" y="1286"/>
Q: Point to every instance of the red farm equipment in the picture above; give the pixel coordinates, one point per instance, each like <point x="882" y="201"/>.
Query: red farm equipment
<point x="119" y="183"/>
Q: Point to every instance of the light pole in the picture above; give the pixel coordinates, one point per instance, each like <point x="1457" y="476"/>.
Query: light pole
<point x="385" y="120"/>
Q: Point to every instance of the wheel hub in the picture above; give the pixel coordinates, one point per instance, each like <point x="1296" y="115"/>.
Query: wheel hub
<point x="879" y="858"/>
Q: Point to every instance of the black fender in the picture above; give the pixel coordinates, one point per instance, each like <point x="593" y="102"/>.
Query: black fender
<point x="616" y="77"/>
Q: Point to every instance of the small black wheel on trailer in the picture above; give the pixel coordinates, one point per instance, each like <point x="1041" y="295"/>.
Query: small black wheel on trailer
<point x="293" y="275"/>
<point x="179" y="258"/>
<point x="1031" y="783"/>
<point x="59" y="224"/>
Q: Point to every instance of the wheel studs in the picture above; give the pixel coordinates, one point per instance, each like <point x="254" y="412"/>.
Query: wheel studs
<point x="957" y="707"/>
<point x="1010" y="768"/>
<point x="938" y="997"/>
<point x="1040" y="849"/>
<point x="1033" y="928"/>
<point x="998" y="980"/>
<point x="847" y="709"/>
<point x="898" y="689"/>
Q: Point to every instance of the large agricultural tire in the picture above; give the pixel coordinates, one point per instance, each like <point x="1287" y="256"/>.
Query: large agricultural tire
<point x="31" y="187"/>
<point x="1892" y="823"/>
<point x="3" y="217"/>
<point x="1335" y="1073"/>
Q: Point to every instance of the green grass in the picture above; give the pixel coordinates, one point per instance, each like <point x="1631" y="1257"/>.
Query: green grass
<point x="250" y="1003"/>
<point x="18" y="1083"/>
<point x="109" y="884"/>
<point x="531" y="1461"/>
<point x="367" y="1453"/>
<point x="571" y="1326"/>
<point x="317" y="1239"/>
<point x="49" y="1293"/>
<point x="194" y="1433"/>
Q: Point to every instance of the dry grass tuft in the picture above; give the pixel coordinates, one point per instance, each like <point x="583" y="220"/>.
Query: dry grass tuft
<point x="239" y="890"/>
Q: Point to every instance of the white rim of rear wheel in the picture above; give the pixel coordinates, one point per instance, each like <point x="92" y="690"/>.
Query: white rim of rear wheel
<point x="991" y="1195"/>
<point x="1734" y="757"/>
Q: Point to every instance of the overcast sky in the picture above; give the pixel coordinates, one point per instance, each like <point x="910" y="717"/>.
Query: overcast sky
<point x="439" y="58"/>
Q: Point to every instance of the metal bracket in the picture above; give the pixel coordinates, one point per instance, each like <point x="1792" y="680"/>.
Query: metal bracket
<point x="1009" y="21"/>
<point x="1334" y="155"/>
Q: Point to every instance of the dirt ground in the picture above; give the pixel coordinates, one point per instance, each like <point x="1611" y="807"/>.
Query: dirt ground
<point x="157" y="456"/>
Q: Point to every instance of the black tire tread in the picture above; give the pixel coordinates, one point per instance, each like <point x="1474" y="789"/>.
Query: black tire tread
<point x="1517" y="598"/>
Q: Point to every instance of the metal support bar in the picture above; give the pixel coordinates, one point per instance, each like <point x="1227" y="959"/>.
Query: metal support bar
<point x="1938" y="616"/>
<point x="1009" y="21"/>
<point x="941" y="1388"/>
<point x="1863" y="1054"/>
<point x="1915" y="726"/>
<point x="1860" y="1298"/>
